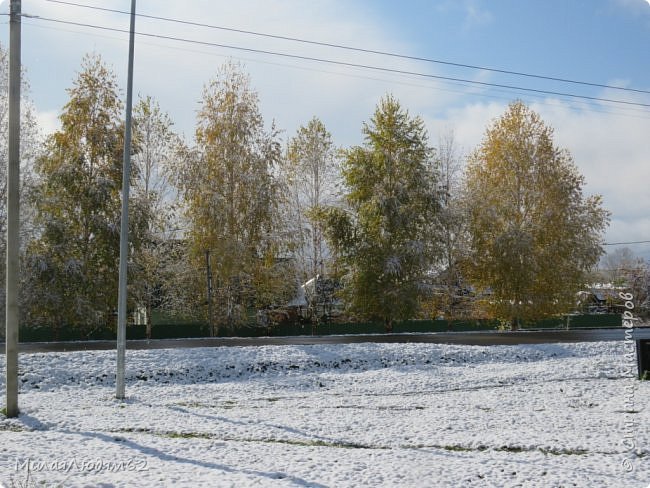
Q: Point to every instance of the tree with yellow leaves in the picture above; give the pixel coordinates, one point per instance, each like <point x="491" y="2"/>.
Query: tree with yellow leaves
<point x="72" y="264"/>
<point x="534" y="234"/>
<point x="232" y="202"/>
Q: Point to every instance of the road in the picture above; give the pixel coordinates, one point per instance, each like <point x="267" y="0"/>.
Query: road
<point x="483" y="338"/>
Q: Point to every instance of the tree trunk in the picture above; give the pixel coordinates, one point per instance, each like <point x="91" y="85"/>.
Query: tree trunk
<point x="388" y="325"/>
<point x="56" y="332"/>
<point x="148" y="320"/>
<point x="514" y="323"/>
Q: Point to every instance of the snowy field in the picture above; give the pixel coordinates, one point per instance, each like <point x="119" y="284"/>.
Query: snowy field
<point x="418" y="415"/>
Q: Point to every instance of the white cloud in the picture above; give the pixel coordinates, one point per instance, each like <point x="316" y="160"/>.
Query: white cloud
<point x="474" y="12"/>
<point x="48" y="122"/>
<point x="174" y="72"/>
<point x="291" y="91"/>
<point x="476" y="15"/>
<point x="634" y="4"/>
<point x="612" y="150"/>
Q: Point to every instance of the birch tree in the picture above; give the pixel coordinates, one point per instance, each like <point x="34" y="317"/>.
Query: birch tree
<point x="534" y="234"/>
<point x="312" y="174"/>
<point x="452" y="231"/>
<point x="232" y="197"/>
<point x="30" y="139"/>
<point x="73" y="263"/>
<point x="158" y="148"/>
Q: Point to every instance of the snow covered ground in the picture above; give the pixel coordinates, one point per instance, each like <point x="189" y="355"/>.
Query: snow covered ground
<point x="345" y="415"/>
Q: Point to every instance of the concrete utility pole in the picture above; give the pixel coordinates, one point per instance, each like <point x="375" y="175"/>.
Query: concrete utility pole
<point x="13" y="211"/>
<point x="124" y="227"/>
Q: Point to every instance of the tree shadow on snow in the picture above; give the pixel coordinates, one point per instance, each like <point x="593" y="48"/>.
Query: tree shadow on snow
<point x="307" y="435"/>
<point x="163" y="456"/>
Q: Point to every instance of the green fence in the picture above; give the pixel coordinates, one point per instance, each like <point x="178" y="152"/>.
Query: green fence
<point x="170" y="330"/>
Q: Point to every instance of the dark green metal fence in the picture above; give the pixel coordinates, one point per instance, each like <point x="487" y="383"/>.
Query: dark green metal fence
<point x="170" y="330"/>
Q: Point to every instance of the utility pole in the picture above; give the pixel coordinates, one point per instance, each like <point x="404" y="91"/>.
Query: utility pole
<point x="13" y="211"/>
<point x="124" y="227"/>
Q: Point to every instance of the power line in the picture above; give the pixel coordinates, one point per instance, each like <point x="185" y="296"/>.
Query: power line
<point x="358" y="49"/>
<point x="584" y="105"/>
<point x="623" y="268"/>
<point x="350" y="64"/>
<point x="622" y="243"/>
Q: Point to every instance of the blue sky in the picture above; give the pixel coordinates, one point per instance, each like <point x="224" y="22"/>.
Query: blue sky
<point x="598" y="41"/>
<point x="581" y="39"/>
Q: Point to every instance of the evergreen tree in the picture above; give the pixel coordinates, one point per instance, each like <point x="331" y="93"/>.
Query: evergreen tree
<point x="384" y="238"/>
<point x="534" y="234"/>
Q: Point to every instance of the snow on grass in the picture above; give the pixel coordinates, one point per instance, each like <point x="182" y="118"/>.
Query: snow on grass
<point x="332" y="415"/>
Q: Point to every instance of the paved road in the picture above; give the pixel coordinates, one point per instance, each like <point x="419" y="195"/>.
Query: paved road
<point x="484" y="338"/>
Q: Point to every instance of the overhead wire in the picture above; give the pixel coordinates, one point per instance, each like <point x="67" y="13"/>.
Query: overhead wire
<point x="625" y="243"/>
<point x="351" y="64"/>
<point x="358" y="49"/>
<point x="628" y="112"/>
<point x="590" y="106"/>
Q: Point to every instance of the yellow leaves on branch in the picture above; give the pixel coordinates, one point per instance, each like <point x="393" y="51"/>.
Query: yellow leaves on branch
<point x="534" y="234"/>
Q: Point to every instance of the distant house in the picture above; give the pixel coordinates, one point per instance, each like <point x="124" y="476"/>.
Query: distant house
<point x="601" y="298"/>
<point x="315" y="301"/>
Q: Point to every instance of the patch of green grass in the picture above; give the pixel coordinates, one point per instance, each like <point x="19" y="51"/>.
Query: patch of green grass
<point x="139" y="430"/>
<point x="510" y="449"/>
<point x="225" y="404"/>
<point x="458" y="448"/>
<point x="354" y="445"/>
<point x="321" y="443"/>
<point x="190" y="404"/>
<point x="513" y="449"/>
<point x="186" y="435"/>
<point x="292" y="442"/>
<point x="170" y="435"/>
<point x="564" y="452"/>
